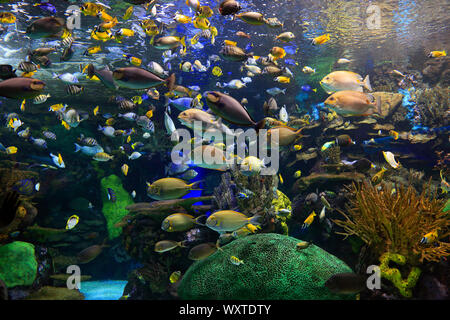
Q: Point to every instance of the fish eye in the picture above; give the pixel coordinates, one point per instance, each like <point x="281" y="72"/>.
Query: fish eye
<point x="331" y="98"/>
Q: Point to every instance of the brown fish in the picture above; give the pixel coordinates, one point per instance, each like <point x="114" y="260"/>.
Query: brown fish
<point x="21" y="88"/>
<point x="231" y="110"/>
<point x="138" y="78"/>
<point x="254" y="18"/>
<point x="233" y="53"/>
<point x="243" y="34"/>
<point x="353" y="103"/>
<point x="167" y="245"/>
<point x="346" y="283"/>
<point x="46" y="27"/>
<point x="202" y="251"/>
<point x="229" y="7"/>
<point x="90" y="253"/>
<point x="286" y="135"/>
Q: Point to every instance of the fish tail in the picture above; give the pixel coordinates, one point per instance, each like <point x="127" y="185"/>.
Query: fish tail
<point x="183" y="42"/>
<point x="170" y="81"/>
<point x="77" y="147"/>
<point x="367" y="84"/>
<point x="195" y="185"/>
<point x="260" y="124"/>
<point x="197" y="220"/>
<point x="256" y="219"/>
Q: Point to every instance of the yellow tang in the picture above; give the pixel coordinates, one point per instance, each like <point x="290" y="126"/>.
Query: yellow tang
<point x="96" y="110"/>
<point x="298" y="173"/>
<point x="201" y="23"/>
<point x="22" y="105"/>
<point x="72" y="222"/>
<point x="297" y="147"/>
<point x="321" y="39"/>
<point x="128" y="139"/>
<point x="216" y="71"/>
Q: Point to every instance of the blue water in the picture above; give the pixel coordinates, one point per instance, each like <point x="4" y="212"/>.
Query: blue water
<point x="103" y="290"/>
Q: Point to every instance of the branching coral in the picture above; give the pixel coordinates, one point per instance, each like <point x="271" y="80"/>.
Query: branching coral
<point x="396" y="221"/>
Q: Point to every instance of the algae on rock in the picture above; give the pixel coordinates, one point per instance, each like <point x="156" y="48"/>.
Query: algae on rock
<point x="18" y="265"/>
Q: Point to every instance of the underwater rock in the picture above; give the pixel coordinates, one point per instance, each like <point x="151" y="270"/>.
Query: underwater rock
<point x="114" y="211"/>
<point x="273" y="269"/>
<point x="3" y="291"/>
<point x="55" y="293"/>
<point x="437" y="70"/>
<point x="18" y="265"/>
<point x="389" y="102"/>
<point x="315" y="179"/>
<point x="60" y="280"/>
<point x="44" y="235"/>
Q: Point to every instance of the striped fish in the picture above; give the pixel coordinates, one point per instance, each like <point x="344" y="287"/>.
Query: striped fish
<point x="74" y="89"/>
<point x="50" y="135"/>
<point x="41" y="98"/>
<point x="111" y="195"/>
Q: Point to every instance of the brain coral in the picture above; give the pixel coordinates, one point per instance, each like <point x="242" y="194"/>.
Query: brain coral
<point x="18" y="265"/>
<point x="273" y="269"/>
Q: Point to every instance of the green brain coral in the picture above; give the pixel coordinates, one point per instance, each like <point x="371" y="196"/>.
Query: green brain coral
<point x="18" y="265"/>
<point x="273" y="269"/>
<point x="114" y="211"/>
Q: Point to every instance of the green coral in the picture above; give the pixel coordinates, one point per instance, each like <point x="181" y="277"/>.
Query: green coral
<point x="273" y="268"/>
<point x="394" y="275"/>
<point x="18" y="265"/>
<point x="114" y="211"/>
<point x="282" y="202"/>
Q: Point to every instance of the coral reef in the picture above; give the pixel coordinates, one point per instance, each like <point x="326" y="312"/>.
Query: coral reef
<point x="396" y="222"/>
<point x="437" y="70"/>
<point x="114" y="211"/>
<point x="273" y="269"/>
<point x="282" y="202"/>
<point x="18" y="265"/>
<point x="394" y="275"/>
<point x="432" y="106"/>
<point x="55" y="293"/>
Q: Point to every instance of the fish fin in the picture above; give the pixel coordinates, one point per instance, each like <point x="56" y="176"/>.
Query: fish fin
<point x="171" y="82"/>
<point x="197" y="220"/>
<point x="261" y="124"/>
<point x="195" y="185"/>
<point x="77" y="147"/>
<point x="256" y="219"/>
<point x="367" y="84"/>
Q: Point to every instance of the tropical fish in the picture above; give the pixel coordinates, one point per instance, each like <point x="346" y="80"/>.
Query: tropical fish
<point x="170" y="188"/>
<point x="202" y="251"/>
<point x="178" y="222"/>
<point x="72" y="222"/>
<point x="308" y="220"/>
<point x="167" y="245"/>
<point x="229" y="220"/>
<point x="175" y="277"/>
<point x="390" y="158"/>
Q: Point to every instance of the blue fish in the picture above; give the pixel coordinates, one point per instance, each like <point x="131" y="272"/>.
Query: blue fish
<point x="46" y="6"/>
<point x="306" y="88"/>
<point x="248" y="47"/>
<point x="26" y="187"/>
<point x="290" y="62"/>
<point x="111" y="195"/>
<point x="107" y="115"/>
<point x="290" y="49"/>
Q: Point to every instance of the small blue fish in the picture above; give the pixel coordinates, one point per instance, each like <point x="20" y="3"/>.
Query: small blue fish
<point x="307" y="88"/>
<point x="111" y="195"/>
<point x="46" y="6"/>
<point x="107" y="115"/>
<point x="290" y="49"/>
<point x="290" y="62"/>
<point x="248" y="47"/>
<point x="242" y="196"/>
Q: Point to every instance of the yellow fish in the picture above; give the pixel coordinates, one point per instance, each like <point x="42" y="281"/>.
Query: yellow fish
<point x="175" y="276"/>
<point x="281" y="178"/>
<point x="65" y="124"/>
<point x="133" y="60"/>
<point x="137" y="100"/>
<point x="297" y="147"/>
<point x="102" y="36"/>
<point x="308" y="220"/>
<point x="230" y="43"/>
<point x="181" y="18"/>
<point x="92" y="50"/>
<point x="393" y="134"/>
<point x="91" y="9"/>
<point x="376" y="179"/>
<point x="22" y="105"/>
<point x="216" y="71"/>
<point x="128" y="13"/>
<point x="236" y="261"/>
<point x="430" y="237"/>
<point x="321" y="39"/>
<point x="104" y="16"/>
<point x="28" y="74"/>
<point x="60" y="159"/>
<point x="7" y="17"/>
<point x="110" y="121"/>
<point x="437" y="54"/>
<point x="11" y="150"/>
<point x="126" y="32"/>
<point x="56" y="107"/>
<point x="204" y="12"/>
<point x="282" y="79"/>
<point x="201" y="23"/>
<point x="149" y="114"/>
<point x="128" y="139"/>
<point x="124" y="169"/>
<point x="96" y="110"/>
<point x="72" y="222"/>
<point x="298" y="173"/>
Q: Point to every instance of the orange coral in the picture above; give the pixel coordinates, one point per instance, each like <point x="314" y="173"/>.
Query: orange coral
<point x="395" y="222"/>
